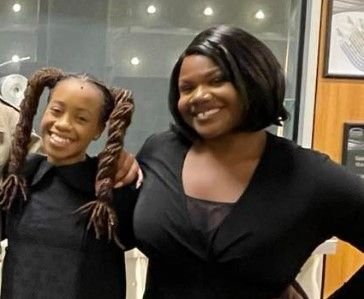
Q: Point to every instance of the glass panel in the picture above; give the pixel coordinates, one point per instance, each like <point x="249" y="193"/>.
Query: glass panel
<point x="131" y="44"/>
<point x="101" y="37"/>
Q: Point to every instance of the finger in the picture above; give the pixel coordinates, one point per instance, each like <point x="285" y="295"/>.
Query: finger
<point x="129" y="177"/>
<point x="120" y="169"/>
<point x="124" y="164"/>
<point x="119" y="184"/>
<point x="132" y="174"/>
<point x="140" y="179"/>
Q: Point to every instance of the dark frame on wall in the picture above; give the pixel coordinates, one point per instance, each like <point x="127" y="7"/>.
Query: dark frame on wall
<point x="353" y="148"/>
<point x="344" y="52"/>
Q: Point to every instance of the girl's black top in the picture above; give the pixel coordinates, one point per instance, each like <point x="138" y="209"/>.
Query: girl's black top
<point x="50" y="252"/>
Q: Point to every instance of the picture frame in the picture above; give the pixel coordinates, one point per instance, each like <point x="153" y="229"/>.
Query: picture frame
<point x="344" y="55"/>
<point x="353" y="148"/>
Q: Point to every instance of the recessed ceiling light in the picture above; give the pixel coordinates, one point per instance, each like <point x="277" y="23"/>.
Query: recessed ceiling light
<point x="15" y="58"/>
<point x="260" y="15"/>
<point x="135" y="61"/>
<point x="16" y="7"/>
<point x="151" y="9"/>
<point x="208" y="11"/>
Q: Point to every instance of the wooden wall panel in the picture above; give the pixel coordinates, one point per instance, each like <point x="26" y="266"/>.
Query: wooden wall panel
<point x="337" y="101"/>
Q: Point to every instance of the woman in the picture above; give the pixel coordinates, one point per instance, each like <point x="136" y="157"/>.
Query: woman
<point x="52" y="201"/>
<point x="228" y="210"/>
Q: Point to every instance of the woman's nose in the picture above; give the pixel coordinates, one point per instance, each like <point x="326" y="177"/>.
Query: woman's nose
<point x="202" y="93"/>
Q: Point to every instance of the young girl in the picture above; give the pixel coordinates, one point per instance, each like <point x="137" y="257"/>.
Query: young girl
<point x="53" y="200"/>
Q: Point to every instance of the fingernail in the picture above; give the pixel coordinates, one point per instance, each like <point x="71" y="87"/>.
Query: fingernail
<point x="119" y="185"/>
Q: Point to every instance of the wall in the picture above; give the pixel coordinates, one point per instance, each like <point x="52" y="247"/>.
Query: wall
<point x="337" y="101"/>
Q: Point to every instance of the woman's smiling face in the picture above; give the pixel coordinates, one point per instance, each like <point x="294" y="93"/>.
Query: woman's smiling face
<point x="208" y="102"/>
<point x="71" y="121"/>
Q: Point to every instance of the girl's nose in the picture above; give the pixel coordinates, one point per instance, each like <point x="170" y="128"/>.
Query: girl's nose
<point x="63" y="123"/>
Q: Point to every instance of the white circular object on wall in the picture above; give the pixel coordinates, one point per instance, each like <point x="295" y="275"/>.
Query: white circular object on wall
<point x="12" y="89"/>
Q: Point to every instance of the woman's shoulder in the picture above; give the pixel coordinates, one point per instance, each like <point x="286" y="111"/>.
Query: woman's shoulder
<point x="164" y="136"/>
<point x="316" y="165"/>
<point x="163" y="143"/>
<point x="288" y="148"/>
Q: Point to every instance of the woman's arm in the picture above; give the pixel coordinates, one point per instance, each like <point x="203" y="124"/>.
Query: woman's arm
<point x="128" y="171"/>
<point x="340" y="195"/>
<point x="124" y="200"/>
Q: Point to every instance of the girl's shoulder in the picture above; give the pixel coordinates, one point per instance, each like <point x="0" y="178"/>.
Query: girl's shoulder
<point x="31" y="165"/>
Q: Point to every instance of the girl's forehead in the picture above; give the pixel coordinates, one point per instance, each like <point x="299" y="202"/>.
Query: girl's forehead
<point x="76" y="92"/>
<point x="78" y="86"/>
<point x="72" y="81"/>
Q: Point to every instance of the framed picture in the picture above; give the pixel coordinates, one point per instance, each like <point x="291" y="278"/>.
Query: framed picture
<point x="353" y="148"/>
<point x="345" y="39"/>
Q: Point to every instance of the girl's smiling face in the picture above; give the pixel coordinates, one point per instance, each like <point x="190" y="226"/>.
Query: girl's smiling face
<point x="71" y="121"/>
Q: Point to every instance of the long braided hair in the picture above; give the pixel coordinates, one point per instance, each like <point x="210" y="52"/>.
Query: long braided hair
<point x="118" y="107"/>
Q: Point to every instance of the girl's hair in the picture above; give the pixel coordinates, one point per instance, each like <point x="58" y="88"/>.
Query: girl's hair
<point x="249" y="65"/>
<point x="118" y="107"/>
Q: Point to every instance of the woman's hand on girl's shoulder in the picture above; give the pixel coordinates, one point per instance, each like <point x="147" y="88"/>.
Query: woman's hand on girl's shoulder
<point x="127" y="171"/>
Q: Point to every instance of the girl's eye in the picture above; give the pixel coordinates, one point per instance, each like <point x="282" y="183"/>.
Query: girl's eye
<point x="82" y="119"/>
<point x="55" y="110"/>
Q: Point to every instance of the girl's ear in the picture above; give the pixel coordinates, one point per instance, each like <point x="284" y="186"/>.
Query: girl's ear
<point x="96" y="137"/>
<point x="99" y="132"/>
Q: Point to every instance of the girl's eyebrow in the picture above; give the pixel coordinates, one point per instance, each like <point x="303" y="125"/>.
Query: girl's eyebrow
<point x="78" y="109"/>
<point x="84" y="110"/>
<point x="52" y="101"/>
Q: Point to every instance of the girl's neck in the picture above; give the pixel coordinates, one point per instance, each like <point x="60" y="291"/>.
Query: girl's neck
<point x="239" y="145"/>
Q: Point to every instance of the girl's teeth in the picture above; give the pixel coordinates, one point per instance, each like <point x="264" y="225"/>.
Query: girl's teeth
<point x="60" y="140"/>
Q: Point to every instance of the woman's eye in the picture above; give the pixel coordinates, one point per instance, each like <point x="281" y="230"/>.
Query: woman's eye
<point x="218" y="80"/>
<point x="185" y="88"/>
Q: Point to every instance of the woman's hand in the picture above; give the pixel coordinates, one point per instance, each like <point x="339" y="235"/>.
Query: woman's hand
<point x="127" y="171"/>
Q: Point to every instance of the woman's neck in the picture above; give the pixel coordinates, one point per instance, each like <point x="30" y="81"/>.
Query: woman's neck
<point x="239" y="145"/>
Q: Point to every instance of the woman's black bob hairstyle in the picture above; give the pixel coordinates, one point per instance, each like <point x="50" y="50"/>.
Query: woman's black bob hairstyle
<point x="249" y="65"/>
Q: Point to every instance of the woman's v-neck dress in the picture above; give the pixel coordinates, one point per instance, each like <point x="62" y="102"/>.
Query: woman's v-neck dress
<point x="50" y="252"/>
<point x="296" y="199"/>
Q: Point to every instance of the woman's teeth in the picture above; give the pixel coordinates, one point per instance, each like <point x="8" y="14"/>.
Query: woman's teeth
<point x="207" y="114"/>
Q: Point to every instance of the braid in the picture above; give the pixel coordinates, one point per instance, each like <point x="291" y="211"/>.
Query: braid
<point x="13" y="182"/>
<point x="103" y="217"/>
